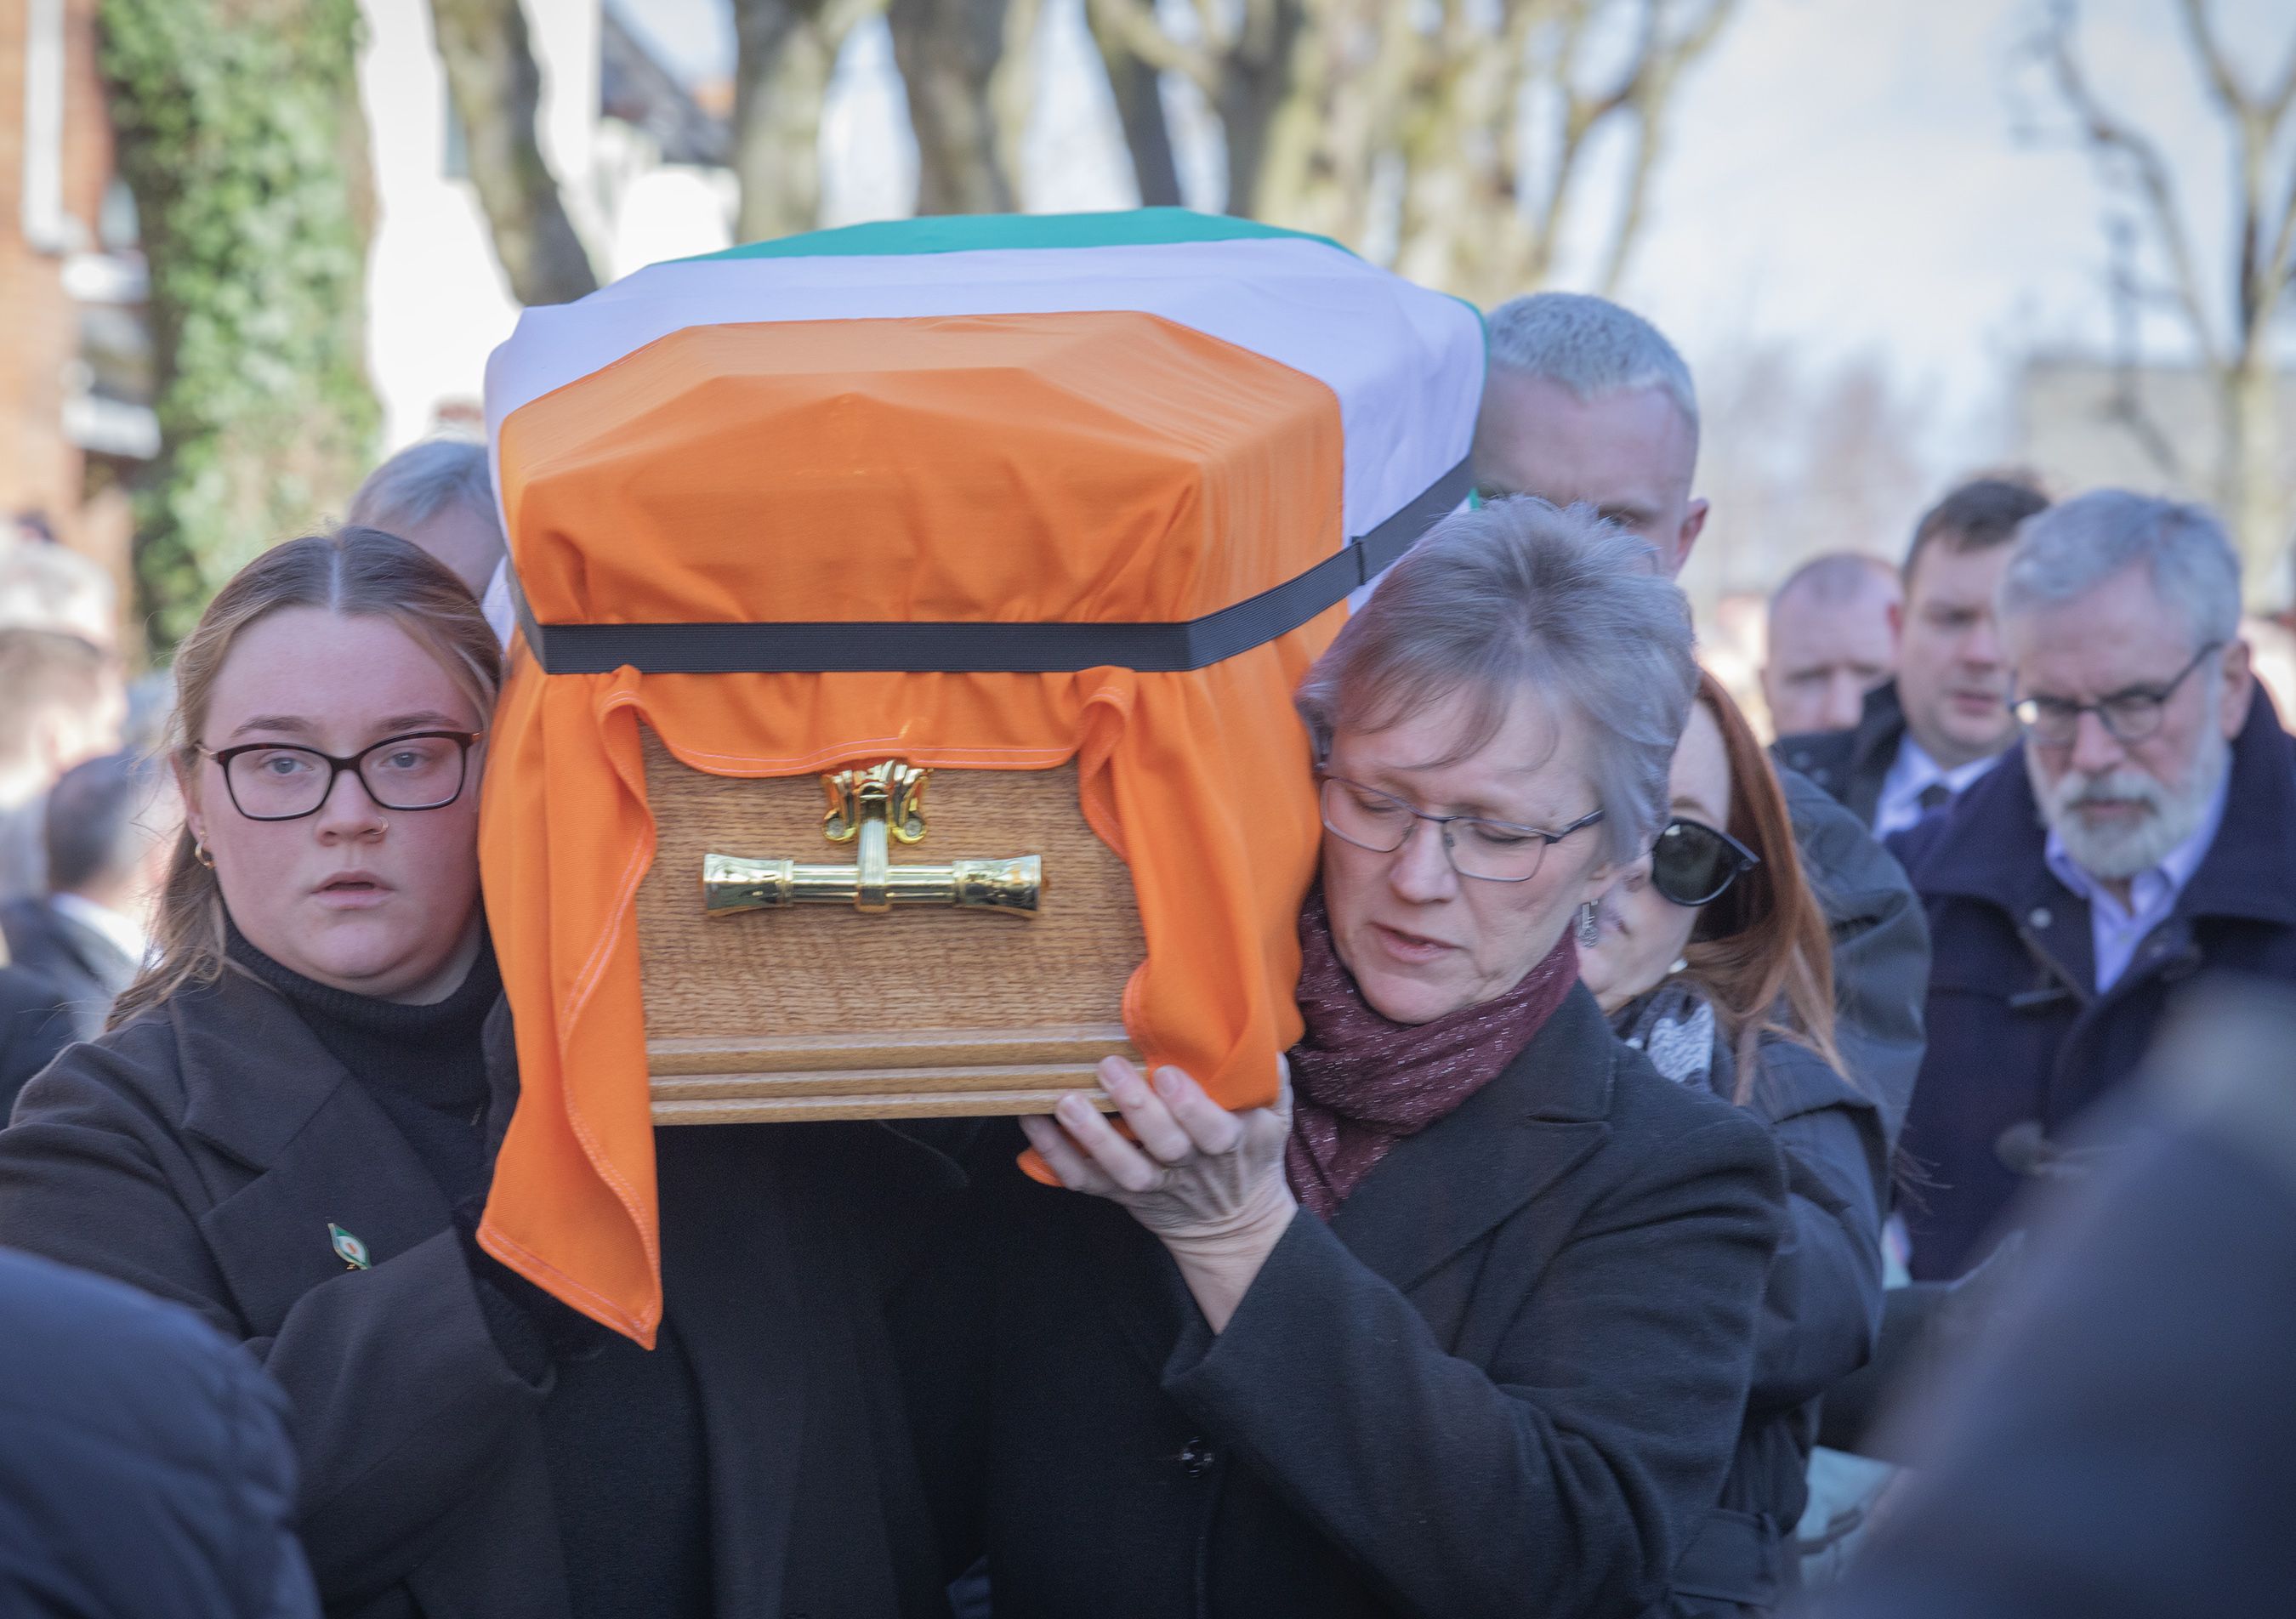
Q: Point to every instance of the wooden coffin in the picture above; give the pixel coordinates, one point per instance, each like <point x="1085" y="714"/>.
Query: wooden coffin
<point x="821" y="1011"/>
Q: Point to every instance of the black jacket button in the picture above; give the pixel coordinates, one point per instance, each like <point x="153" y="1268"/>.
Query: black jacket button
<point x="1196" y="1458"/>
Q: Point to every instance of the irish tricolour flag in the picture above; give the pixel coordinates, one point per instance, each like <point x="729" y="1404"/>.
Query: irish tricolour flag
<point x="1005" y="493"/>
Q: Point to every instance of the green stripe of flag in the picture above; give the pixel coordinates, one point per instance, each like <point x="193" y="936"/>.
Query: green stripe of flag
<point x="986" y="233"/>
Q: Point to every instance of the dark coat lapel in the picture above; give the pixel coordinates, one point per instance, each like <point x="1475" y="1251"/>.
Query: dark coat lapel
<point x="1438" y="1190"/>
<point x="260" y="1088"/>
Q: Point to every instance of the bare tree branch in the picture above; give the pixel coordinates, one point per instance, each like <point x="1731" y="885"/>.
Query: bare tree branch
<point x="2151" y="175"/>
<point x="2222" y="77"/>
<point x="1133" y="23"/>
<point x="2126" y="405"/>
<point x="2236" y="358"/>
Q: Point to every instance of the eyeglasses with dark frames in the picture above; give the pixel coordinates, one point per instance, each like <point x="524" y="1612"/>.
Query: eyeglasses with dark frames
<point x="2130" y="715"/>
<point x="1490" y="851"/>
<point x="418" y="770"/>
<point x="1694" y="864"/>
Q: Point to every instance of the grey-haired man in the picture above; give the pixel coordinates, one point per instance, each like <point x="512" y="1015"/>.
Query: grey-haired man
<point x="2142" y="832"/>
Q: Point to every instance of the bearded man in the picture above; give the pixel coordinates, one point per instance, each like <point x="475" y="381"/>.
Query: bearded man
<point x="2148" y="835"/>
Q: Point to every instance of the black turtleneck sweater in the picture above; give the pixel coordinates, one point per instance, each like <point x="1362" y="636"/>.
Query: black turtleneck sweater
<point x="621" y="1429"/>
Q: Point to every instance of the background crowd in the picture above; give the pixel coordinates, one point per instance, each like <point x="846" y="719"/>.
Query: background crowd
<point x="1794" y="1115"/>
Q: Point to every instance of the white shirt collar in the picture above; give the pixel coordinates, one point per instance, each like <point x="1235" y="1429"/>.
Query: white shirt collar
<point x="104" y="922"/>
<point x="1910" y="774"/>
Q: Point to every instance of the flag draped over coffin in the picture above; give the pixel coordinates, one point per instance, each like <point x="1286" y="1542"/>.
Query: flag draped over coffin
<point x="1110" y="421"/>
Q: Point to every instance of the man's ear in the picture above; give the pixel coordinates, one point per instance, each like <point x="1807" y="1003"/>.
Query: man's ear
<point x="2236" y="689"/>
<point x="1693" y="523"/>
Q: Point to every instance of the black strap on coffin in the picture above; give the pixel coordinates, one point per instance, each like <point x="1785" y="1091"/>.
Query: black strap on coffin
<point x="990" y="648"/>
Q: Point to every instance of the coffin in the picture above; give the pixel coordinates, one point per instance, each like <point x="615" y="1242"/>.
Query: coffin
<point x="874" y="571"/>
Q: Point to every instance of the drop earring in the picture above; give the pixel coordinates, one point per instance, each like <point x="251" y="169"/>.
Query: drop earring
<point x="1590" y="931"/>
<point x="200" y="853"/>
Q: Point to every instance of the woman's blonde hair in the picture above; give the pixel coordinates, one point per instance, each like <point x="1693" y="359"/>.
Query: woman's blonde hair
<point x="357" y="573"/>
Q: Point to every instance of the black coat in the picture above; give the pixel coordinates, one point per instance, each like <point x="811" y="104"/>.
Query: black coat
<point x="2017" y="1033"/>
<point x="1822" y="1308"/>
<point x="2127" y="1448"/>
<point x="1881" y="947"/>
<point x="34" y="1026"/>
<point x="1851" y="764"/>
<point x="87" y="970"/>
<point x="145" y="1468"/>
<point x="202" y="1152"/>
<point x="1504" y="1380"/>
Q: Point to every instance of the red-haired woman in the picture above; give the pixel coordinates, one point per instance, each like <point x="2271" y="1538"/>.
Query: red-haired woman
<point x="1713" y="959"/>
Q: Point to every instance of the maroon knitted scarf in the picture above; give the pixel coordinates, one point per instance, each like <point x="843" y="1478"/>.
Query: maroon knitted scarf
<point x="1360" y="1083"/>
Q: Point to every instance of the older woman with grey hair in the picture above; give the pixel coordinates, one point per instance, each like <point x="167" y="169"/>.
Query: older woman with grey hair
<point x="1465" y="1327"/>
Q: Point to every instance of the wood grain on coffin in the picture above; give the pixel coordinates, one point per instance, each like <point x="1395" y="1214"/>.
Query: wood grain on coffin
<point x="821" y="1011"/>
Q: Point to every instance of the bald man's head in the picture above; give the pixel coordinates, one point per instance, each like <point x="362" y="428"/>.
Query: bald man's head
<point x="1832" y="638"/>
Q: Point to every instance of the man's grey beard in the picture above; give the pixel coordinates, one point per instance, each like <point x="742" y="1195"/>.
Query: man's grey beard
<point x="2117" y="853"/>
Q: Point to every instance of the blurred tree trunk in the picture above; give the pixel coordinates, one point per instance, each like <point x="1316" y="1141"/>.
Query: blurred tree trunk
<point x="786" y="51"/>
<point x="1239" y="57"/>
<point x="948" y="51"/>
<point x="240" y="134"/>
<point x="2230" y="333"/>
<point x="497" y="90"/>
<point x="1136" y="85"/>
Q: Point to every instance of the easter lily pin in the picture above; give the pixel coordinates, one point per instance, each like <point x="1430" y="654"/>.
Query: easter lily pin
<point x="349" y="1249"/>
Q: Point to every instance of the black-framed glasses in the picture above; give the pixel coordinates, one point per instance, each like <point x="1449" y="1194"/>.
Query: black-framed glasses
<point x="1694" y="864"/>
<point x="420" y="770"/>
<point x="1493" y="851"/>
<point x="2131" y="715"/>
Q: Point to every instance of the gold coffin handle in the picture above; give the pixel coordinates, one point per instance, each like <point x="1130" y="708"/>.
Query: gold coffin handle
<point x="869" y="809"/>
<point x="731" y="885"/>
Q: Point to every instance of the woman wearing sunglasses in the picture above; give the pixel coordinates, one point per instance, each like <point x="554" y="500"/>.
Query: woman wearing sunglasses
<point x="1712" y="959"/>
<point x="1465" y="1326"/>
<point x="290" y="1129"/>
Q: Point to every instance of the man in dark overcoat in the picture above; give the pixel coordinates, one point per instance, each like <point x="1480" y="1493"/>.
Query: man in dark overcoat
<point x="2143" y="832"/>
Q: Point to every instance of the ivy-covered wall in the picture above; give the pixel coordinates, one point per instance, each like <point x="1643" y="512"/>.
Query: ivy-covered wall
<point x="241" y="135"/>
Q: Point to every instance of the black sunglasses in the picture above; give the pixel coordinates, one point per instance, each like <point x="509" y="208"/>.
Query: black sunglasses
<point x="1692" y="864"/>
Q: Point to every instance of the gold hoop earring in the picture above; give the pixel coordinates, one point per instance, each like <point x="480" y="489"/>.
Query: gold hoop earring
<point x="200" y="853"/>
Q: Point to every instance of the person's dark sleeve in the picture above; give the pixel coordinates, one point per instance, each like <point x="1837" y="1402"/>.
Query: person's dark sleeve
<point x="273" y="1571"/>
<point x="1881" y="947"/>
<point x="1567" y="1477"/>
<point x="402" y="1402"/>
<point x="2121" y="1448"/>
<point x="1822" y="1308"/>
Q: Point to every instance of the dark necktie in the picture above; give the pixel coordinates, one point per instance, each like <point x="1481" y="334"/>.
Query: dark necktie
<point x="1936" y="796"/>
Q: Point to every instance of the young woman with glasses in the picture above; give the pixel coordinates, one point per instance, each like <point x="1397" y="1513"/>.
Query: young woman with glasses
<point x="1465" y="1325"/>
<point x="290" y="1127"/>
<point x="1712" y="958"/>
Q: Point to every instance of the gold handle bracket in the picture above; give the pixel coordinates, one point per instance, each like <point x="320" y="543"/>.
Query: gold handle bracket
<point x="872" y="809"/>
